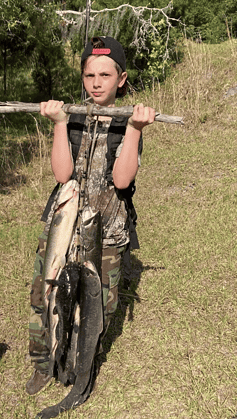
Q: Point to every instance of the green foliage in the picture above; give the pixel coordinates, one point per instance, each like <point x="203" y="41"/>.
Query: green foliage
<point x="51" y="72"/>
<point x="212" y="22"/>
<point x="33" y="50"/>
<point x="16" y="44"/>
<point x="75" y="4"/>
<point x="156" y="61"/>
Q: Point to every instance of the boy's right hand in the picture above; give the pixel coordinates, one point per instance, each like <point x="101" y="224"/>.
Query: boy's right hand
<point x="53" y="110"/>
<point x="142" y="116"/>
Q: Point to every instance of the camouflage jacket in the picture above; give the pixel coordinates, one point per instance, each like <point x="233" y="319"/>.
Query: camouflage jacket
<point x="118" y="213"/>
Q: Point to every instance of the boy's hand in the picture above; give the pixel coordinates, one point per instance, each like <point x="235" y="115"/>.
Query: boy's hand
<point x="53" y="110"/>
<point x="141" y="116"/>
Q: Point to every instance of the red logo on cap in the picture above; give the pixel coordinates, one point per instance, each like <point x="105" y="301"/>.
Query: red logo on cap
<point x="101" y="51"/>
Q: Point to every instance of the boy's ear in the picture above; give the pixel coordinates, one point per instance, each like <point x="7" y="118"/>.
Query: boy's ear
<point x="122" y="78"/>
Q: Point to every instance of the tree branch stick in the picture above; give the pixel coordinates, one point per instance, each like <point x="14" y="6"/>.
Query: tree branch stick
<point x="126" y="111"/>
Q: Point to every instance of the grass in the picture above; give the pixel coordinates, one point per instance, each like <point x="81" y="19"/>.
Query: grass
<point x="173" y="353"/>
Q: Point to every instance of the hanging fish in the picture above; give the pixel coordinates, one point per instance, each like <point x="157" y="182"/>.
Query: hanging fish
<point x="60" y="234"/>
<point x="66" y="373"/>
<point x="90" y="328"/>
<point x="68" y="323"/>
<point x="91" y="237"/>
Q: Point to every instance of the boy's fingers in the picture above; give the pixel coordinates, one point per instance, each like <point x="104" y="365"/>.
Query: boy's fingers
<point x="144" y="112"/>
<point x="53" y="110"/>
<point x="152" y="114"/>
<point x="138" y="108"/>
<point x="42" y="108"/>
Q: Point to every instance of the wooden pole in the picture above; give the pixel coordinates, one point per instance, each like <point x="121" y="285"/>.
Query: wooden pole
<point x="88" y="10"/>
<point x="87" y="23"/>
<point x="126" y="111"/>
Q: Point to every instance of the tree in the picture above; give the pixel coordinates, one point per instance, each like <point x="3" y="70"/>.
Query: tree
<point x="31" y="38"/>
<point x="48" y="59"/>
<point x="16" y="44"/>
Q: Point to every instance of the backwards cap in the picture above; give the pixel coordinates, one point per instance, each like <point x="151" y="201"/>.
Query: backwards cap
<point x="105" y="45"/>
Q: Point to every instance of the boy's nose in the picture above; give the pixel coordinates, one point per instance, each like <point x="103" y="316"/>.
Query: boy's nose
<point x="97" y="81"/>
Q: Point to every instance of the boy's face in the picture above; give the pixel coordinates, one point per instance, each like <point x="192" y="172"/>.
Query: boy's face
<point x="101" y="79"/>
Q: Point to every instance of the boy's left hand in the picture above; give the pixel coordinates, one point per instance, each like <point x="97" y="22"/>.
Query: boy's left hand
<point x="142" y="116"/>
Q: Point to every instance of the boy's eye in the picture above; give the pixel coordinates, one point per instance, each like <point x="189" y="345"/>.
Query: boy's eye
<point x="88" y="76"/>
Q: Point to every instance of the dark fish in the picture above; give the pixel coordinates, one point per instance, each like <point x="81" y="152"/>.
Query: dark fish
<point x="90" y="328"/>
<point x="65" y="300"/>
<point x="91" y="322"/>
<point x="67" y="375"/>
<point x="90" y="237"/>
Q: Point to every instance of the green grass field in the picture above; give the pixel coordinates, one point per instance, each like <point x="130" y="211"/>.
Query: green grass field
<point x="171" y="353"/>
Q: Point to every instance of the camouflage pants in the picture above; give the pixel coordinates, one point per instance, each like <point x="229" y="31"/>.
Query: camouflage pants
<point x="111" y="272"/>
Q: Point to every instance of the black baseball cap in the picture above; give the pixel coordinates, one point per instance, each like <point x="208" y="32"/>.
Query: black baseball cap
<point x="105" y="45"/>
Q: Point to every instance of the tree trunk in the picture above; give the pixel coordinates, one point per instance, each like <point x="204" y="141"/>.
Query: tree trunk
<point x="5" y="70"/>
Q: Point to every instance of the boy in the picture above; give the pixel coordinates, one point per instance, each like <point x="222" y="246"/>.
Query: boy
<point x="113" y="166"/>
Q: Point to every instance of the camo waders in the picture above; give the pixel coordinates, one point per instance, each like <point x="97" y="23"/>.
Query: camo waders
<point x="38" y="348"/>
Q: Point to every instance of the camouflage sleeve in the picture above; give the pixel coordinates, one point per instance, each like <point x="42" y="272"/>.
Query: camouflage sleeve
<point x="118" y="151"/>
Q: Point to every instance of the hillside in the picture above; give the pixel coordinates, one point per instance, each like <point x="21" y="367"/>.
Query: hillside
<point x="171" y="353"/>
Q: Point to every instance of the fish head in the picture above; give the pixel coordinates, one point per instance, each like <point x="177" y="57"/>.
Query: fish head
<point x="68" y="192"/>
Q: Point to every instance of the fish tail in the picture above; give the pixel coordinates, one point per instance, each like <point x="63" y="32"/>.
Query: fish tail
<point x="71" y="401"/>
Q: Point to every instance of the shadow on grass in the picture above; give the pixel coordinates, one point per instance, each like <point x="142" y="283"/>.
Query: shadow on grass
<point x="127" y="299"/>
<point x="3" y="349"/>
